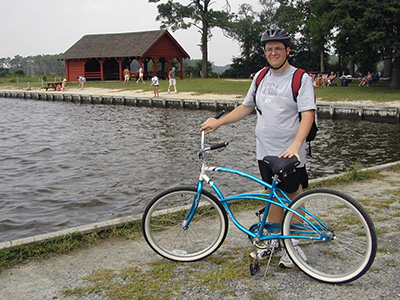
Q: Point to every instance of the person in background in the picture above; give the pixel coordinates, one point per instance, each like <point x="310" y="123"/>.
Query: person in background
<point x="127" y="76"/>
<point x="64" y="85"/>
<point x="172" y="80"/>
<point x="331" y="78"/>
<point x="140" y="75"/>
<point x="155" y="83"/>
<point x="318" y="80"/>
<point x="81" y="81"/>
<point x="367" y="79"/>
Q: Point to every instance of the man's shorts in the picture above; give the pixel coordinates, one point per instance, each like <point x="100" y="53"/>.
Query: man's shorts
<point x="290" y="183"/>
<point x="172" y="81"/>
<point x="127" y="77"/>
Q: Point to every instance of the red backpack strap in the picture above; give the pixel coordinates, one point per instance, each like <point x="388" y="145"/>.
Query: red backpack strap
<point x="296" y="82"/>
<point x="261" y="76"/>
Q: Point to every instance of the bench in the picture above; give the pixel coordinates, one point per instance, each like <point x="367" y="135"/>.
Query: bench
<point x="52" y="85"/>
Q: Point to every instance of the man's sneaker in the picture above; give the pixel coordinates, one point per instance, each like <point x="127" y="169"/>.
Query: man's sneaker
<point x="264" y="253"/>
<point x="286" y="262"/>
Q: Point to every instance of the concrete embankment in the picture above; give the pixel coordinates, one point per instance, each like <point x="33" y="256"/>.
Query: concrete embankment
<point x="390" y="114"/>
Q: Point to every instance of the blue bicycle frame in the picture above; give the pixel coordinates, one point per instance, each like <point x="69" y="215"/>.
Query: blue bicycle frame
<point x="271" y="198"/>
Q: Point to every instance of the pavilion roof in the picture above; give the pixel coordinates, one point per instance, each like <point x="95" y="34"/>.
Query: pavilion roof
<point x="130" y="44"/>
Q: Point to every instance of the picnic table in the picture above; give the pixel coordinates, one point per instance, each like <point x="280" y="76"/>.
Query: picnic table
<point x="52" y="85"/>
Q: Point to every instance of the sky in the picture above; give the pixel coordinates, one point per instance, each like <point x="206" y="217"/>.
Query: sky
<point x="34" y="27"/>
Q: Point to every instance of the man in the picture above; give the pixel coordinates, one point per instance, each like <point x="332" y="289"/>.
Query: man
<point x="279" y="131"/>
<point x="127" y="76"/>
<point x="172" y="80"/>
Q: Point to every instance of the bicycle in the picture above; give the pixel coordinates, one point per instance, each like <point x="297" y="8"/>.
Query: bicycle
<point x="334" y="231"/>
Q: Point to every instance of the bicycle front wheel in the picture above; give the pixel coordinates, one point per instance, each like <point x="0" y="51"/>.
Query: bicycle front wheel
<point x="164" y="218"/>
<point x="351" y="243"/>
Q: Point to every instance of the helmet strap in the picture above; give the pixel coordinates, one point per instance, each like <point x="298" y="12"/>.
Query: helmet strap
<point x="281" y="64"/>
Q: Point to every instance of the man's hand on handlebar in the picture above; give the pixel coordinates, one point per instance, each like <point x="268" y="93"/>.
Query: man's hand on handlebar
<point x="210" y="125"/>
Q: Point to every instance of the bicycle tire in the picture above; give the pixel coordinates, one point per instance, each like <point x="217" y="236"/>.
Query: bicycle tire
<point x="350" y="251"/>
<point x="162" y="225"/>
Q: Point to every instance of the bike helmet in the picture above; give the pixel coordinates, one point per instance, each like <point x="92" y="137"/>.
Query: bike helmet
<point x="276" y="35"/>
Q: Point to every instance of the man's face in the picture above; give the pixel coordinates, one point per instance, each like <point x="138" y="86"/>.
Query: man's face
<point x="276" y="53"/>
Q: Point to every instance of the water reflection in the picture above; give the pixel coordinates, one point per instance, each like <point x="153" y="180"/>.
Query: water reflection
<point x="65" y="164"/>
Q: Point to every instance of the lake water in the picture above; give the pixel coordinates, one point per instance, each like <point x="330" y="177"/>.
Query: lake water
<point x="64" y="164"/>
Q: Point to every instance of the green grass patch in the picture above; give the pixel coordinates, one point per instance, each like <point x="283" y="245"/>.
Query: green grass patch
<point x="191" y="85"/>
<point x="378" y="93"/>
<point x="164" y="279"/>
<point x="392" y="263"/>
<point x="11" y="257"/>
<point x="352" y="174"/>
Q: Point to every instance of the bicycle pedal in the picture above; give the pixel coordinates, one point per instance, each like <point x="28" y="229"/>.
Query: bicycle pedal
<point x="254" y="268"/>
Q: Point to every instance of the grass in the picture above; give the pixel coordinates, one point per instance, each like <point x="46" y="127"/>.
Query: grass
<point x="164" y="279"/>
<point x="11" y="257"/>
<point x="352" y="174"/>
<point x="379" y="93"/>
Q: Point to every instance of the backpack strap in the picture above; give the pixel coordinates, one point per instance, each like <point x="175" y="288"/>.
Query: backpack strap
<point x="296" y="82"/>
<point x="260" y="77"/>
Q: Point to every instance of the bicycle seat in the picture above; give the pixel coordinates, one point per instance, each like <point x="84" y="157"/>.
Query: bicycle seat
<point x="281" y="166"/>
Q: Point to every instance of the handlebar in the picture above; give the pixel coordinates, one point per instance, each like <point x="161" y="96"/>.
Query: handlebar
<point x="213" y="147"/>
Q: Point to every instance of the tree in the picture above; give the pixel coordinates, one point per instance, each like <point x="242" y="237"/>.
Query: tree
<point x="318" y="27"/>
<point x="389" y="36"/>
<point x="197" y="13"/>
<point x="3" y="72"/>
<point x="368" y="32"/>
<point x="309" y="21"/>
<point x="246" y="28"/>
<point x="34" y="65"/>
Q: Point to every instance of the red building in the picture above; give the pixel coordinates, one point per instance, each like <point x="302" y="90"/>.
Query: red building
<point x="105" y="56"/>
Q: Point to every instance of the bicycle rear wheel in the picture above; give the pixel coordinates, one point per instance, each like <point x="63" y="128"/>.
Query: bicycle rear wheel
<point x="163" y="220"/>
<point x="352" y="242"/>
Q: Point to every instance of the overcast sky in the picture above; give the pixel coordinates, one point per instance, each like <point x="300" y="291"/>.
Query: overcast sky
<point x="33" y="27"/>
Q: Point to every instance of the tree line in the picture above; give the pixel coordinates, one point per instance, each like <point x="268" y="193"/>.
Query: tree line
<point x="32" y="65"/>
<point x="361" y="33"/>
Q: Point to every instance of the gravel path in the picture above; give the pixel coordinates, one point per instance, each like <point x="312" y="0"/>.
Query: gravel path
<point x="47" y="279"/>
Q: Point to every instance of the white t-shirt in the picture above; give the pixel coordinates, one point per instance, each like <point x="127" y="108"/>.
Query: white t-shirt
<point x="278" y="124"/>
<point x="155" y="81"/>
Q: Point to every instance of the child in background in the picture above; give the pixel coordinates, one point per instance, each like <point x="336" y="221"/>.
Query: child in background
<point x="155" y="83"/>
<point x="64" y="85"/>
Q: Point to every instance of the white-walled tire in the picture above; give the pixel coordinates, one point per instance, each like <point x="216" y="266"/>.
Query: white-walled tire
<point x="352" y="247"/>
<point x="163" y="219"/>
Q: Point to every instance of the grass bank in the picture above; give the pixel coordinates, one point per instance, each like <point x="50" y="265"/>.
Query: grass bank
<point x="380" y="93"/>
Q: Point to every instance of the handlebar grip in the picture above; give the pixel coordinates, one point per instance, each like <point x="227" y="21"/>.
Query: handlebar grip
<point x="217" y="146"/>
<point x="219" y="115"/>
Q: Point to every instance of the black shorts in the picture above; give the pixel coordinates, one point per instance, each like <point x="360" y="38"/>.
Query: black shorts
<point x="290" y="183"/>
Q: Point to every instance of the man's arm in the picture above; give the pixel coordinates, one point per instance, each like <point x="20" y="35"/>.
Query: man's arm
<point x="235" y="115"/>
<point x="307" y="119"/>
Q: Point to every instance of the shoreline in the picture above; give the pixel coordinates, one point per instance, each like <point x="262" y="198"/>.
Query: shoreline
<point x="387" y="112"/>
<point x="181" y="95"/>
